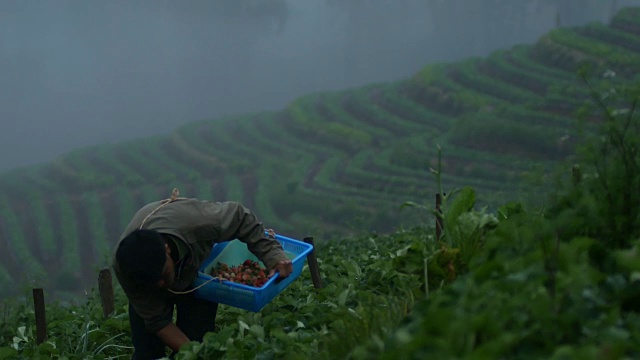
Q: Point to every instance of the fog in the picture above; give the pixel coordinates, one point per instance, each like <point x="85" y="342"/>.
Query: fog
<point x="78" y="73"/>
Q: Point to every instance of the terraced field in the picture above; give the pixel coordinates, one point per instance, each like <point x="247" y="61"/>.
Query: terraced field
<point x="329" y="164"/>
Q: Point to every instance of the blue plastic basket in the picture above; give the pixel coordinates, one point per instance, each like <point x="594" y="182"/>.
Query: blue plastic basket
<point x="242" y="296"/>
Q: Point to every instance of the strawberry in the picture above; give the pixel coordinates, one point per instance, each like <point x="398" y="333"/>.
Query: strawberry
<point x="248" y="273"/>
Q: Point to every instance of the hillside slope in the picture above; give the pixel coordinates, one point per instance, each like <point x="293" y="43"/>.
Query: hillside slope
<point x="329" y="164"/>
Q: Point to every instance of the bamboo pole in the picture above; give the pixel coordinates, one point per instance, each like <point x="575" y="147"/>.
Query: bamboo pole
<point x="41" y="321"/>
<point x="313" y="264"/>
<point x="105" y="287"/>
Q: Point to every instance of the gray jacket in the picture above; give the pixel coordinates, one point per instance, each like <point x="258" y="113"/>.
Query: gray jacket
<point x="199" y="224"/>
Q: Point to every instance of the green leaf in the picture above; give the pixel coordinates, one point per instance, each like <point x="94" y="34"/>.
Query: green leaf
<point x="353" y="269"/>
<point x="462" y="202"/>
<point x="629" y="259"/>
<point x="257" y="331"/>
<point x="47" y="346"/>
<point x="342" y="298"/>
<point x="242" y="327"/>
<point x="281" y="336"/>
<point x="7" y="353"/>
<point x="221" y="337"/>
<point x="508" y="209"/>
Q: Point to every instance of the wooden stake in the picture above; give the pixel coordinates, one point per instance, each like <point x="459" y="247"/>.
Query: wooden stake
<point x="41" y="321"/>
<point x="313" y="264"/>
<point x="105" y="287"/>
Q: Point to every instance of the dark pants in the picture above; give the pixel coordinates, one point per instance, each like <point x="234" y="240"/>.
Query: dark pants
<point x="195" y="317"/>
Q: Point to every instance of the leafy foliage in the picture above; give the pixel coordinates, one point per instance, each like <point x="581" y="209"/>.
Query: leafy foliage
<point x="547" y="284"/>
<point x="557" y="282"/>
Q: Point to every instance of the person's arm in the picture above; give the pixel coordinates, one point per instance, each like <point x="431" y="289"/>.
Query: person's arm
<point x="239" y="222"/>
<point x="173" y="337"/>
<point x="152" y="308"/>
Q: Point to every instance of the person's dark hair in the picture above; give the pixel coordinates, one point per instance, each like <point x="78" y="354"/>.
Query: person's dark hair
<point x="141" y="256"/>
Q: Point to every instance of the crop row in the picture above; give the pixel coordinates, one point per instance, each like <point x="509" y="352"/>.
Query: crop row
<point x="330" y="179"/>
<point x="327" y="160"/>
<point x="97" y="226"/>
<point x="48" y="249"/>
<point x="334" y="109"/>
<point x="264" y="173"/>
<point x="496" y="65"/>
<point x="280" y="131"/>
<point x="17" y="246"/>
<point x="270" y="141"/>
<point x="459" y="168"/>
<point x="392" y="190"/>
<point x="44" y="233"/>
<point x="333" y="179"/>
<point x="467" y="73"/>
<point x="377" y="184"/>
<point x="434" y="88"/>
<point x="139" y="158"/>
<point x="469" y="95"/>
<point x="530" y="60"/>
<point x="308" y="124"/>
<point x="457" y="162"/>
<point x="84" y="171"/>
<point x="194" y="151"/>
<point x="70" y="270"/>
<point x="360" y="105"/>
<point x="209" y="143"/>
<point x="263" y="205"/>
<point x="265" y="163"/>
<point x="119" y="172"/>
<point x="425" y="89"/>
<point x="501" y="135"/>
<point x="522" y="72"/>
<point x="611" y="35"/>
<point x="569" y="50"/>
<point x="552" y="93"/>
<point x="532" y="117"/>
<point x="395" y="102"/>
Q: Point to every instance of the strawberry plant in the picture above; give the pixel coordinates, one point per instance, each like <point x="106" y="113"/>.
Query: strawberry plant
<point x="557" y="283"/>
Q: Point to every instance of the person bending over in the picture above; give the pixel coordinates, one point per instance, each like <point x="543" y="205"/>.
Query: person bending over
<point x="156" y="262"/>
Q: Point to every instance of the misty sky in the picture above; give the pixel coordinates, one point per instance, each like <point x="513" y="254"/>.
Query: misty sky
<point x="77" y="73"/>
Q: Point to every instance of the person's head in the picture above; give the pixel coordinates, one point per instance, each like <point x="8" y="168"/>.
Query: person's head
<point x="145" y="257"/>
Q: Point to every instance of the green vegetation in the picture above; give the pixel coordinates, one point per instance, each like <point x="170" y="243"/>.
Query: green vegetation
<point x="98" y="237"/>
<point x="345" y="155"/>
<point x="555" y="282"/>
<point x="47" y="244"/>
<point x="341" y="166"/>
<point x="18" y="247"/>
<point x="70" y="269"/>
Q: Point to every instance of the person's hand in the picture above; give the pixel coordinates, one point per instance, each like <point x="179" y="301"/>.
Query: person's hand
<point x="284" y="269"/>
